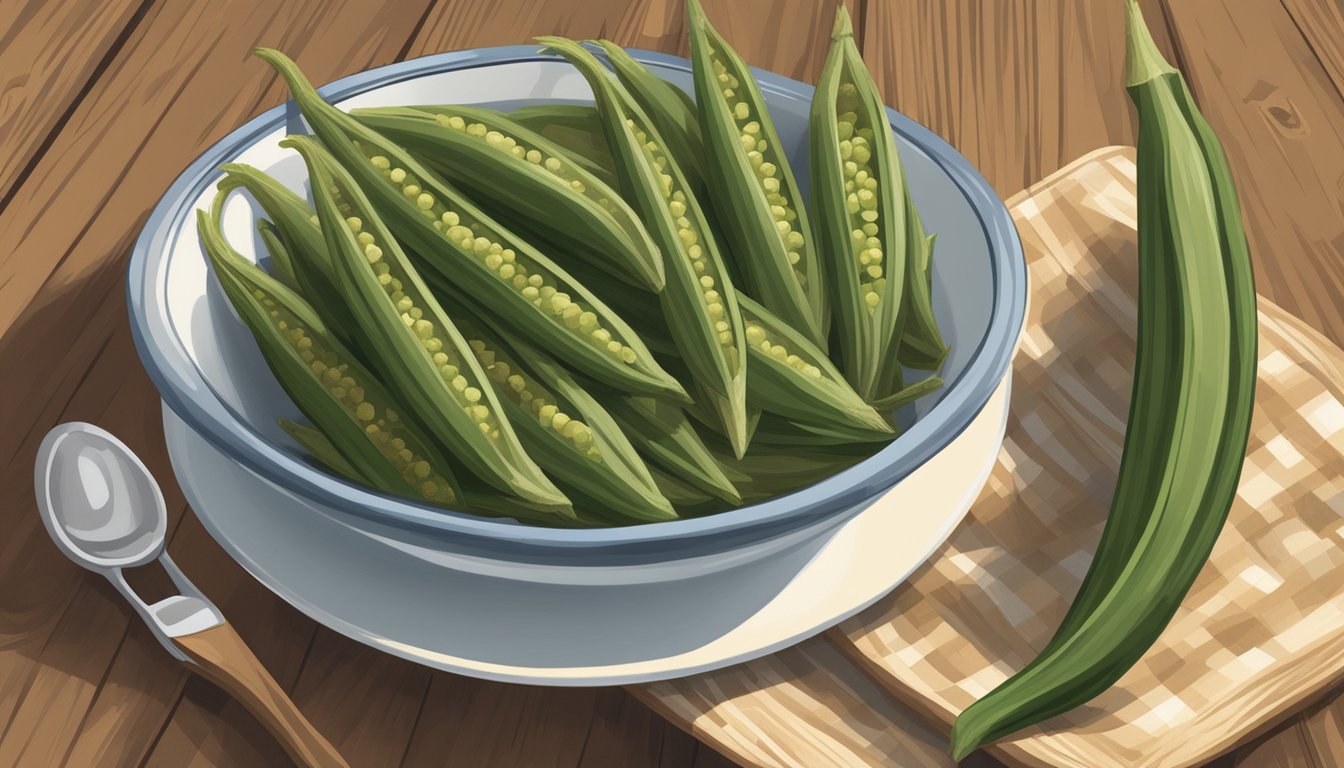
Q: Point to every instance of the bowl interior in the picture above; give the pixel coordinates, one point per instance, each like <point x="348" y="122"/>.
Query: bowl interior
<point x="197" y="317"/>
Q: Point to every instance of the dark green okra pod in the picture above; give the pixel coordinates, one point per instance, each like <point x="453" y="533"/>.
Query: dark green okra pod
<point x="699" y="301"/>
<point x="567" y="431"/>
<point x="403" y="328"/>
<point x="750" y="180"/>
<point x="478" y="258"/>
<point x="787" y="375"/>
<point x="662" y="432"/>
<point x="865" y="221"/>
<point x="522" y="174"/>
<point x="327" y="383"/>
<point x="282" y="266"/>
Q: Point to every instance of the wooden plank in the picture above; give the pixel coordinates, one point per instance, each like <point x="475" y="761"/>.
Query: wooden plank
<point x="1281" y="121"/>
<point x="804" y="706"/>
<point x="1313" y="739"/>
<point x="1020" y="88"/>
<point x="1321" y="23"/>
<point x="50" y="54"/>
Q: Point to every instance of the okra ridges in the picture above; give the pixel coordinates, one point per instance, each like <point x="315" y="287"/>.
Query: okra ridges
<point x="767" y="173"/>
<point x="690" y="236"/>
<point x="381" y="423"/>
<point x="529" y="394"/>
<point x="556" y="166"/>
<point x="505" y="263"/>
<point x="862" y="190"/>
<point x="394" y="284"/>
<point x="770" y="345"/>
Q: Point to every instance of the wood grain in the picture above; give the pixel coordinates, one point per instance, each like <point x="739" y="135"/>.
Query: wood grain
<point x="50" y="54"/>
<point x="222" y="657"/>
<point x="1281" y="120"/>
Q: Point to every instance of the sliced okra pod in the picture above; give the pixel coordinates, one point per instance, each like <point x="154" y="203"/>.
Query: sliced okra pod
<point x="789" y="376"/>
<point x="320" y="448"/>
<point x="405" y="330"/>
<point x="568" y="432"/>
<point x="296" y="222"/>
<point x="334" y="391"/>
<point x="576" y="129"/>
<point x="661" y="431"/>
<point x="698" y="301"/>
<point x="867" y="228"/>
<point x="477" y="257"/>
<point x="668" y="107"/>
<point x="522" y="174"/>
<point x="282" y="267"/>
<point x="750" y="176"/>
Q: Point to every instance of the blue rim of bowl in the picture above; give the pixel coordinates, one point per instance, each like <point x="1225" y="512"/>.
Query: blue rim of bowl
<point x="162" y="352"/>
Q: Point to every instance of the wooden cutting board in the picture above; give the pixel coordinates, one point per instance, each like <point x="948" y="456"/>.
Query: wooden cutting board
<point x="1261" y="632"/>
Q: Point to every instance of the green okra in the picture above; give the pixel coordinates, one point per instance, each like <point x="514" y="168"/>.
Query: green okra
<point x="699" y="302"/>
<point x="669" y="109"/>
<point x="334" y="391"/>
<point x="296" y="221"/>
<point x="521" y="174"/>
<point x="767" y="471"/>
<point x="775" y="430"/>
<point x="662" y="432"/>
<point x="866" y="224"/>
<point x="682" y="495"/>
<point x="574" y="128"/>
<point x="282" y="265"/>
<point x="405" y="330"/>
<point x="1190" y="411"/>
<point x="750" y="176"/>
<point x="907" y="395"/>
<point x="922" y="344"/>
<point x="789" y="376"/>
<point x="567" y="431"/>
<point x="320" y="448"/>
<point x="476" y="257"/>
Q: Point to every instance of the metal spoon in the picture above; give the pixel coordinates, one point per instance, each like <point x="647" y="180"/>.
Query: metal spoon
<point x="105" y="512"/>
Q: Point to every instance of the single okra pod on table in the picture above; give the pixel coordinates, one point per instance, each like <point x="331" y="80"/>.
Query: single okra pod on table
<point x="405" y="330"/>
<point x="865" y="223"/>
<point x="698" y="301"/>
<point x="479" y="258"/>
<point x="752" y="184"/>
<point x="567" y="431"/>
<point x="662" y="432"/>
<point x="282" y="265"/>
<point x="522" y="174"/>
<point x="668" y="107"/>
<point x="576" y="129"/>
<point x="370" y="430"/>
<point x="297" y="224"/>
<point x="789" y="376"/>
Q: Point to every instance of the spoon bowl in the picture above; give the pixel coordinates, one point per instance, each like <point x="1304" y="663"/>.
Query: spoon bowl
<point x="99" y="502"/>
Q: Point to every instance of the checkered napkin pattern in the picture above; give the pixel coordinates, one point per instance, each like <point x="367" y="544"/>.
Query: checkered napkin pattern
<point x="1261" y="632"/>
<point x="1263" y="627"/>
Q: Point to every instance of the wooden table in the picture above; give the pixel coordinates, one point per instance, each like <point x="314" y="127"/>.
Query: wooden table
<point x="103" y="102"/>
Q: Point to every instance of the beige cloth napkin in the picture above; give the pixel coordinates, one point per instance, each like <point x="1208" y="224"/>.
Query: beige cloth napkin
<point x="1261" y="632"/>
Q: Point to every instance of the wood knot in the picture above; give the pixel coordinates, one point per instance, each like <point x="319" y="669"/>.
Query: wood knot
<point x="1278" y="110"/>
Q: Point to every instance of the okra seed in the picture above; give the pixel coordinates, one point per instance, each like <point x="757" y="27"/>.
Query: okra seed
<point x="380" y="162"/>
<point x="601" y="335"/>
<point x="552" y="164"/>
<point x="869" y="215"/>
<point x="493" y="137"/>
<point x="770" y="184"/>
<point x="493" y="261"/>
<point x="615" y="347"/>
<point x="748" y="143"/>
<point x="472" y="394"/>
<point x="411" y="190"/>
<point x="533" y="156"/>
<point x="476" y="129"/>
<point x="677" y="209"/>
<point x="397" y="175"/>
<point x="741" y="111"/>
<point x="424" y="202"/>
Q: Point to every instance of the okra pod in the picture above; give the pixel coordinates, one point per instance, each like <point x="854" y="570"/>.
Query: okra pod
<point x="334" y="391"/>
<point x="477" y="257"/>
<point x="522" y="174"/>
<point x="282" y="267"/>
<point x="789" y="376"/>
<point x="768" y="471"/>
<point x="320" y="448"/>
<point x="669" y="108"/>
<point x="296" y="221"/>
<point x="404" y="328"/>
<point x="749" y="175"/>
<point x="1190" y="412"/>
<point x="698" y="301"/>
<point x="567" y="431"/>
<point x="866" y="224"/>
<point x="922" y="344"/>
<point x="776" y="430"/>
<point x="576" y="129"/>
<point x="661" y="431"/>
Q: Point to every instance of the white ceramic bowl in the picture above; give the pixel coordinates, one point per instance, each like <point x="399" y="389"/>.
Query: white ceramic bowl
<point x="509" y="601"/>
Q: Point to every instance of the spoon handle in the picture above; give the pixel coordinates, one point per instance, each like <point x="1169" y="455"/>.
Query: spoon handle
<point x="224" y="659"/>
